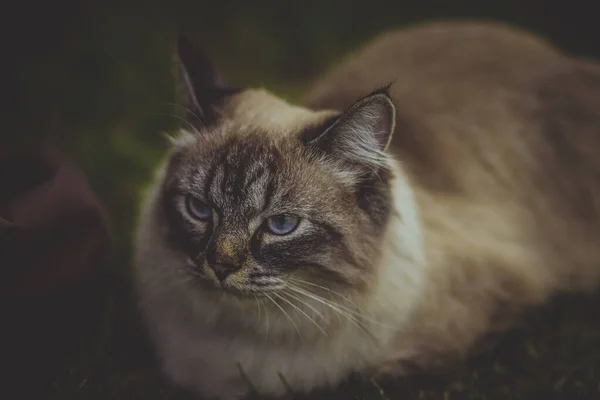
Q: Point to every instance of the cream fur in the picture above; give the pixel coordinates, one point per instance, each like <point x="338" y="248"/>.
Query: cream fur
<point x="196" y="355"/>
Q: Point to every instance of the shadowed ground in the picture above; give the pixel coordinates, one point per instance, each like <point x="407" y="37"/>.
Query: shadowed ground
<point x="555" y="356"/>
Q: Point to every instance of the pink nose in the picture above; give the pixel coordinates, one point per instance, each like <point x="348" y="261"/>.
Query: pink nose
<point x="222" y="271"/>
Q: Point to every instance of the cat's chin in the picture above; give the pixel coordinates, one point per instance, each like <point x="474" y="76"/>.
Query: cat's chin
<point x="245" y="293"/>
<point x="228" y="290"/>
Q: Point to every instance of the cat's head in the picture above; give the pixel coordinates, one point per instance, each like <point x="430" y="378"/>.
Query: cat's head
<point x="262" y="196"/>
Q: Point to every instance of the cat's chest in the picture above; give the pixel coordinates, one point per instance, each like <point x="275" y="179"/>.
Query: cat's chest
<point x="266" y="363"/>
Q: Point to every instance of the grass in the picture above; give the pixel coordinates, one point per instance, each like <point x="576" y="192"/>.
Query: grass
<point x="113" y="81"/>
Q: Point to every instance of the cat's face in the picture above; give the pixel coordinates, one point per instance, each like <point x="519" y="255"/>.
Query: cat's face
<point x="266" y="196"/>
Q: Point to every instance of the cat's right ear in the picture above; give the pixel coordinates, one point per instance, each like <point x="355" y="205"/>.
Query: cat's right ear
<point x="204" y="87"/>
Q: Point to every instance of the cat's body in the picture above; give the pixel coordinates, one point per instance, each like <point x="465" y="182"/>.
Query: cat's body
<point x="499" y="133"/>
<point x="489" y="206"/>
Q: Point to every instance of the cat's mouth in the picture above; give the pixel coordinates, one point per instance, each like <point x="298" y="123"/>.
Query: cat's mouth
<point x="231" y="286"/>
<point x="232" y="289"/>
<point x="244" y="291"/>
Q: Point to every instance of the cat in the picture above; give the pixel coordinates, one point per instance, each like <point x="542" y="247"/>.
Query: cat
<point x="430" y="188"/>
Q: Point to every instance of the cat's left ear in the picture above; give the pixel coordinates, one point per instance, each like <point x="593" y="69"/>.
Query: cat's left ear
<point x="204" y="86"/>
<point x="362" y="134"/>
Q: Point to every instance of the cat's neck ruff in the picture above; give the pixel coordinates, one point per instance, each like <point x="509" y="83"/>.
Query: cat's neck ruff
<point x="401" y="269"/>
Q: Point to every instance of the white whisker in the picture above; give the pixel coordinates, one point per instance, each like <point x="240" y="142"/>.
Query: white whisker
<point x="188" y="110"/>
<point x="313" y="309"/>
<point x="326" y="289"/>
<point x="358" y="312"/>
<point x="302" y="312"/>
<point x="257" y="306"/>
<point x="192" y="127"/>
<point x="267" y="323"/>
<point x="286" y="314"/>
<point x="349" y="317"/>
<point x="166" y="281"/>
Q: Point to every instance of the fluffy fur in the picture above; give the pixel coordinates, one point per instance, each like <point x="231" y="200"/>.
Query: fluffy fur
<point x="484" y="203"/>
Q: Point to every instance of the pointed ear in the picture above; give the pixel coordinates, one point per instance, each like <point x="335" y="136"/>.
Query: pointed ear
<point x="362" y="134"/>
<point x="204" y="86"/>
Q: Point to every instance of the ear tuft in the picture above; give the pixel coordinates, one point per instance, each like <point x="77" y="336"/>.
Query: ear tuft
<point x="363" y="133"/>
<point x="204" y="85"/>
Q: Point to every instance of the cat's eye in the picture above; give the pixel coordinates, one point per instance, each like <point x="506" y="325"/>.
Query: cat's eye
<point x="282" y="224"/>
<point x="198" y="209"/>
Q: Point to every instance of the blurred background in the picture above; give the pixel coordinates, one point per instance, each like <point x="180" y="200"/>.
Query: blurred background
<point x="96" y="78"/>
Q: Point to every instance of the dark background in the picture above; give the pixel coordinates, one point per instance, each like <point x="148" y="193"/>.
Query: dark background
<point x="95" y="77"/>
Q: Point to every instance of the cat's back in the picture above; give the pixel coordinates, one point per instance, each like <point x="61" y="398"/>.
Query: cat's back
<point x="481" y="107"/>
<point x="498" y="131"/>
<point x="427" y="60"/>
<point x="459" y="88"/>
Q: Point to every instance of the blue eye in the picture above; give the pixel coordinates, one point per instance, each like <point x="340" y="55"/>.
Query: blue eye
<point x="282" y="224"/>
<point x="198" y="209"/>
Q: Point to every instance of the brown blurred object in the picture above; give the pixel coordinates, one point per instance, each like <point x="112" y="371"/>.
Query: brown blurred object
<point x="53" y="231"/>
